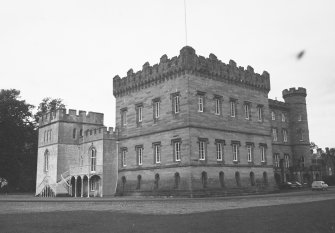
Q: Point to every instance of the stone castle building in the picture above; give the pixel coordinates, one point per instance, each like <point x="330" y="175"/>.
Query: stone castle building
<point x="189" y="126"/>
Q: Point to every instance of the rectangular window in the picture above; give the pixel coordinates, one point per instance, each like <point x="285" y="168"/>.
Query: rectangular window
<point x="157" y="109"/>
<point x="284" y="135"/>
<point x="123" y="117"/>
<point x="300" y="117"/>
<point x="217" y="106"/>
<point x="274" y="134"/>
<point x="235" y="152"/>
<point x="273" y="116"/>
<point x="249" y="151"/>
<point x="139" y="114"/>
<point x="283" y="118"/>
<point x="263" y="157"/>
<point x="200" y="103"/>
<point x="232" y="108"/>
<point x="247" y="111"/>
<point x="157" y="152"/>
<point x="123" y="157"/>
<point x="139" y="151"/>
<point x="175" y="103"/>
<point x="219" y="151"/>
<point x="176" y="150"/>
<point x="74" y="133"/>
<point x="276" y="160"/>
<point x="202" y="150"/>
<point x="260" y="112"/>
<point x="287" y="161"/>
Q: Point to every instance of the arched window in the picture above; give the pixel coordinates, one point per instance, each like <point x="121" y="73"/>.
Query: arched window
<point x="237" y="178"/>
<point x="265" y="178"/>
<point x="156" y="181"/>
<point x="139" y="178"/>
<point x="93" y="154"/>
<point x="176" y="180"/>
<point x="252" y="179"/>
<point x="46" y="160"/>
<point x="204" y="179"/>
<point x="221" y="177"/>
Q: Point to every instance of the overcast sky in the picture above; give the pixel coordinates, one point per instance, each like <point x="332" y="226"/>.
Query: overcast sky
<point x="72" y="49"/>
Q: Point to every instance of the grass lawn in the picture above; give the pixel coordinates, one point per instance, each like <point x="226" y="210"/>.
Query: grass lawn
<point x="313" y="217"/>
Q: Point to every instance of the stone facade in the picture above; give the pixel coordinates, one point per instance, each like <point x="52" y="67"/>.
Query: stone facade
<point x="189" y="126"/>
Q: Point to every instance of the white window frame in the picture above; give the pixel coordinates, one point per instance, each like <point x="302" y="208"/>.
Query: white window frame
<point x="260" y="113"/>
<point x="276" y="160"/>
<point x="217" y="106"/>
<point x="232" y="108"/>
<point x="246" y="111"/>
<point x="274" y="134"/>
<point x="140" y="113"/>
<point x="46" y="161"/>
<point x="202" y="150"/>
<point x="283" y="117"/>
<point x="157" y="153"/>
<point x="287" y="161"/>
<point x="263" y="154"/>
<point x="176" y="148"/>
<point x="284" y="135"/>
<point x="139" y="155"/>
<point x="157" y="109"/>
<point x="200" y="103"/>
<point x="219" y="151"/>
<point x="93" y="154"/>
<point x="273" y="115"/>
<point x="123" y="154"/>
<point x="235" y="153"/>
<point x="176" y="104"/>
<point x="249" y="153"/>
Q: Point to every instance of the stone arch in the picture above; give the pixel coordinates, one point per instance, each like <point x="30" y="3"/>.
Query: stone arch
<point x="79" y="184"/>
<point x="221" y="178"/>
<point x="139" y="179"/>
<point x="176" y="180"/>
<point x="252" y="179"/>
<point x="73" y="186"/>
<point x="85" y="186"/>
<point x="204" y="179"/>
<point x="95" y="185"/>
<point x="238" y="179"/>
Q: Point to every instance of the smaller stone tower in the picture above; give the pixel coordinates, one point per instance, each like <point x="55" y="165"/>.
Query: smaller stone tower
<point x="298" y="123"/>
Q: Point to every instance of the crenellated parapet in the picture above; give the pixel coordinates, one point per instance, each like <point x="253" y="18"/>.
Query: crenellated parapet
<point x="275" y="104"/>
<point x="189" y="62"/>
<point x="294" y="92"/>
<point x="98" y="133"/>
<point x="72" y="116"/>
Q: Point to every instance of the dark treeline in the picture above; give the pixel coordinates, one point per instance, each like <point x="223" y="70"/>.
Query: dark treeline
<point x="19" y="137"/>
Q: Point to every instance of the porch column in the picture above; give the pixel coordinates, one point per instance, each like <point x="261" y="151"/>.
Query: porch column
<point x="82" y="186"/>
<point x="75" y="186"/>
<point x="88" y="187"/>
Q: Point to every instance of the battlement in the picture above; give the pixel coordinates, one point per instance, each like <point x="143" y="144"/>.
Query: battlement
<point x="189" y="62"/>
<point x="294" y="92"/>
<point x="99" y="133"/>
<point x="278" y="104"/>
<point x="71" y="116"/>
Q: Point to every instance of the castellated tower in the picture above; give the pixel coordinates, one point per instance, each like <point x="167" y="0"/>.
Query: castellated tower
<point x="72" y="152"/>
<point x="296" y="100"/>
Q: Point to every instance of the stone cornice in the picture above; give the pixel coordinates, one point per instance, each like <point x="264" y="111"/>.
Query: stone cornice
<point x="188" y="62"/>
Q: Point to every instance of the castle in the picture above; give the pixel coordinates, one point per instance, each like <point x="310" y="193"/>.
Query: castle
<point x="190" y="126"/>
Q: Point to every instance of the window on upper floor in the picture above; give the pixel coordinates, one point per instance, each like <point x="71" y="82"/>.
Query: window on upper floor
<point x="286" y="160"/>
<point x="273" y="115"/>
<point x="219" y="149"/>
<point x="284" y="135"/>
<point x="283" y="117"/>
<point x="276" y="160"/>
<point x="157" y="152"/>
<point x="139" y="154"/>
<point x="274" y="134"/>
<point x="176" y="143"/>
<point x="46" y="160"/>
<point x="175" y="102"/>
<point x="300" y="133"/>
<point x="262" y="148"/>
<point x="299" y="117"/>
<point x="201" y="98"/>
<point x="123" y="117"/>
<point x="74" y="132"/>
<point x="81" y="132"/>
<point x="250" y="148"/>
<point x="235" y="147"/>
<point x="232" y="107"/>
<point x="247" y="110"/>
<point x="156" y="108"/>
<point x="260" y="112"/>
<point x="93" y="155"/>
<point x="202" y="148"/>
<point x="124" y="156"/>
<point x="139" y="114"/>
<point x="218" y="104"/>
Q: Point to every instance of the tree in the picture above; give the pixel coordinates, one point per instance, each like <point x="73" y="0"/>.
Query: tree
<point x="18" y="141"/>
<point x="48" y="104"/>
